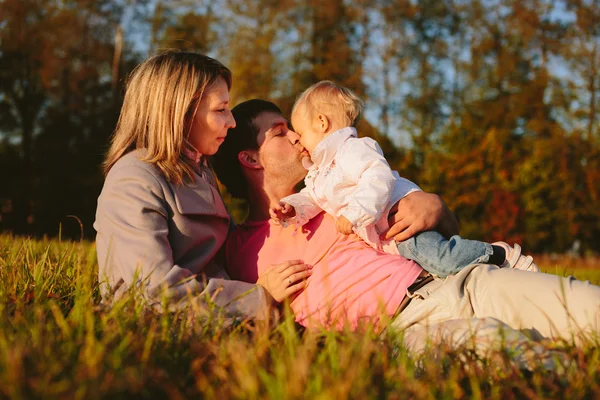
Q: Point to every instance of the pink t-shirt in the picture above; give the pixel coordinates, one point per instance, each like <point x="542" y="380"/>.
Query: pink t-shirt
<point x="351" y="282"/>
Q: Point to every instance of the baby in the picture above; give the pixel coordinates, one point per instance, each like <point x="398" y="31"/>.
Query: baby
<point x="349" y="178"/>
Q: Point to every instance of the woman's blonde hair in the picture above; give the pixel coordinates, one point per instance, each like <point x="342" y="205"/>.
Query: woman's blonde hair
<point x="326" y="97"/>
<point x="160" y="103"/>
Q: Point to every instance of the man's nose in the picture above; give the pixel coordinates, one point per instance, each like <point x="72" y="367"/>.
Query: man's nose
<point x="293" y="137"/>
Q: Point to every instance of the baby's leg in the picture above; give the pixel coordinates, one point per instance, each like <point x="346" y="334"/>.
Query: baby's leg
<point x="441" y="256"/>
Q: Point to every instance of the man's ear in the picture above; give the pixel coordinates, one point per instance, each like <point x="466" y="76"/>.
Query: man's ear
<point x="249" y="159"/>
<point x="323" y="123"/>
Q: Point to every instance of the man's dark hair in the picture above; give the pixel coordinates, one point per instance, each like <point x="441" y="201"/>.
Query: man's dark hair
<point x="242" y="137"/>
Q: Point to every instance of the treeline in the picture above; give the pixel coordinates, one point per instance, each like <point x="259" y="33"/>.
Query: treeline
<point x="492" y="104"/>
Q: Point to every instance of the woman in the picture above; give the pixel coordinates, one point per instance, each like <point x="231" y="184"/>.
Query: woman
<point x="160" y="219"/>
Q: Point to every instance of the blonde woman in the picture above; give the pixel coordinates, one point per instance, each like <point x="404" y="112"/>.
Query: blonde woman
<point x="160" y="219"/>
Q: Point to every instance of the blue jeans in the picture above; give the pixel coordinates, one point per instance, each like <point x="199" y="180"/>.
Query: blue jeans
<point x="443" y="257"/>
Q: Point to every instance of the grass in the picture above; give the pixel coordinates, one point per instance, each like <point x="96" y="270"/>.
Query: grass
<point x="58" y="341"/>
<point x="585" y="268"/>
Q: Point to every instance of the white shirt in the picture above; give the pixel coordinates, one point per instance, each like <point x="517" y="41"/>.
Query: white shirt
<point x="351" y="177"/>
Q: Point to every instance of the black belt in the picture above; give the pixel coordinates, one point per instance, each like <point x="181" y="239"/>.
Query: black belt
<point x="418" y="284"/>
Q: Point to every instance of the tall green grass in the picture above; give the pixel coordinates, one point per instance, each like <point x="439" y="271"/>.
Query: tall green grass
<point x="58" y="341"/>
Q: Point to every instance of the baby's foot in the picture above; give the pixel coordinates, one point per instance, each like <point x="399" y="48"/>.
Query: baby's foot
<point x="514" y="258"/>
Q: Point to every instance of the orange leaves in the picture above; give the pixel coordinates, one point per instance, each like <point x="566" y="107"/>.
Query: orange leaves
<point x="504" y="215"/>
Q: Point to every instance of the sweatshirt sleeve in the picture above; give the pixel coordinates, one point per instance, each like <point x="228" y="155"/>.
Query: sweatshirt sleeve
<point x="305" y="206"/>
<point x="363" y="162"/>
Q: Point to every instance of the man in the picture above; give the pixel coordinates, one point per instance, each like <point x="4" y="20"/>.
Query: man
<point x="261" y="161"/>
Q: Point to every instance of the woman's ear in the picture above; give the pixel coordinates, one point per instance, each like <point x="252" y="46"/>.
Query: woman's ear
<point x="249" y="159"/>
<point x="323" y="123"/>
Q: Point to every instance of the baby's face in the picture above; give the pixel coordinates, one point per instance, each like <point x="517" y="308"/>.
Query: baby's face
<point x="307" y="129"/>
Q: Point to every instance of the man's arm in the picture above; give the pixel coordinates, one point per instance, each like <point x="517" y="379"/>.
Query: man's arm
<point x="448" y="225"/>
<point x="418" y="212"/>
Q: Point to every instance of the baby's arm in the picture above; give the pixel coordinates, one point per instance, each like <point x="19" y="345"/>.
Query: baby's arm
<point x="281" y="212"/>
<point x="362" y="162"/>
<point x="343" y="225"/>
<point x="303" y="205"/>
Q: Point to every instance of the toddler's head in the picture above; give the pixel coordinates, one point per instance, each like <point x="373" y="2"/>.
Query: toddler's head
<point x="322" y="109"/>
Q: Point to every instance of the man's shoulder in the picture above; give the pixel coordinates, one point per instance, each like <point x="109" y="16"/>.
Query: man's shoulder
<point x="244" y="231"/>
<point x="243" y="238"/>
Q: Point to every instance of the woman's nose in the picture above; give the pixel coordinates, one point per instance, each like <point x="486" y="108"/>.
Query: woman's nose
<point x="231" y="121"/>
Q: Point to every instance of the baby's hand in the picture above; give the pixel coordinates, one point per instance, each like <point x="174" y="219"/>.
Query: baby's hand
<point x="343" y="225"/>
<point x="280" y="212"/>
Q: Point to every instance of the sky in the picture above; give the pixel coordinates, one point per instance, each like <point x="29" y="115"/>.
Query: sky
<point x="139" y="35"/>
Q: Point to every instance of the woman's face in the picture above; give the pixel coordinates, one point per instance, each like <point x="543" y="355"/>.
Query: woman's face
<point x="212" y="120"/>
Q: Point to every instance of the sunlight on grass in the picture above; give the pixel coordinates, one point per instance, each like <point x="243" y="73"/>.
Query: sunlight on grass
<point x="587" y="268"/>
<point x="58" y="341"/>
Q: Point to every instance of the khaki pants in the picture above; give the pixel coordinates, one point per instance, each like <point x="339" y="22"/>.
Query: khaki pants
<point x="484" y="306"/>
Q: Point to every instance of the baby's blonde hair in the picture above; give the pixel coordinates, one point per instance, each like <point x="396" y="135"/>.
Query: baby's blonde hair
<point x="330" y="99"/>
<point x="160" y="103"/>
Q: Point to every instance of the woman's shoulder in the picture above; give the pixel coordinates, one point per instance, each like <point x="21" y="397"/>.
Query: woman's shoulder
<point x="133" y="158"/>
<point x="132" y="164"/>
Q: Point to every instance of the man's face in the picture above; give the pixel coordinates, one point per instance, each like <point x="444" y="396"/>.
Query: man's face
<point x="280" y="153"/>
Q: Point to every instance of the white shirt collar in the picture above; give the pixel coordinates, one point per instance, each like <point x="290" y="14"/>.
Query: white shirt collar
<point x="327" y="148"/>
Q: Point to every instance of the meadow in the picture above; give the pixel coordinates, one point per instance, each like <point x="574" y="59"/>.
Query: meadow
<point x="58" y="341"/>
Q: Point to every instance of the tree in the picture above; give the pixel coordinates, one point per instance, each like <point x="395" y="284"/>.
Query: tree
<point x="55" y="59"/>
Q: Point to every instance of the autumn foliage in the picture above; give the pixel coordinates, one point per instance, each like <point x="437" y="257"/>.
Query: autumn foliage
<point x="492" y="104"/>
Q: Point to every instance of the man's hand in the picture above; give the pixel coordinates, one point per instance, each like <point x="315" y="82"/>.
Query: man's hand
<point x="286" y="279"/>
<point x="419" y="212"/>
<point x="343" y="225"/>
<point x="281" y="211"/>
